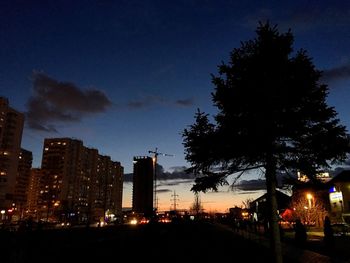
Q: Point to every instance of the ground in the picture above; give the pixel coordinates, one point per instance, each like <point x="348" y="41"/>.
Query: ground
<point x="175" y="242"/>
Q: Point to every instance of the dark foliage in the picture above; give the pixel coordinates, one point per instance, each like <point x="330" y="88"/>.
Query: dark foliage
<point x="272" y="115"/>
<point x="271" y="105"/>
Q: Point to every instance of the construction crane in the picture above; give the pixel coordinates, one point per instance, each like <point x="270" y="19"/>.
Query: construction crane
<point x="155" y="159"/>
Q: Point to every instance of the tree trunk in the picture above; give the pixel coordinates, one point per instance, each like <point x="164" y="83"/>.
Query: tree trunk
<point x="275" y="239"/>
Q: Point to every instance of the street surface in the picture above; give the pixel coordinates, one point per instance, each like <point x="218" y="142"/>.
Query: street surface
<point x="171" y="242"/>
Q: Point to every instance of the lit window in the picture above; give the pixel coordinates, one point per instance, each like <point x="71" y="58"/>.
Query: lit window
<point x="46" y="148"/>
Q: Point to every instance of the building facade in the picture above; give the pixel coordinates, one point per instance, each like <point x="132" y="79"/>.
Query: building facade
<point x="11" y="128"/>
<point x="77" y="182"/>
<point x="339" y="197"/>
<point x="142" y="191"/>
<point x="33" y="192"/>
<point x="22" y="182"/>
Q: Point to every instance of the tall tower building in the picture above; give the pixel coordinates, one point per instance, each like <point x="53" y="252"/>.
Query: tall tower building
<point x="116" y="192"/>
<point x="11" y="128"/>
<point x="142" y="191"/>
<point x="107" y="189"/>
<point x="33" y="192"/>
<point x="22" y="181"/>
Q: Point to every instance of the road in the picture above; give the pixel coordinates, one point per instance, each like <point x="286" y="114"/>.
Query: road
<point x="182" y="242"/>
<point x="175" y="242"/>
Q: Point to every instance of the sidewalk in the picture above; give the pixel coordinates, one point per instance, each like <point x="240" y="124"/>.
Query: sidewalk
<point x="290" y="252"/>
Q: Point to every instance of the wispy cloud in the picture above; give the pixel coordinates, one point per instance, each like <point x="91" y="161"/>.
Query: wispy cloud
<point x="56" y="101"/>
<point x="146" y="101"/>
<point x="151" y="101"/>
<point x="174" y="182"/>
<point x="249" y="192"/>
<point x="163" y="191"/>
<point x="185" y="102"/>
<point x="336" y="73"/>
<point x="251" y="185"/>
<point x="176" y="176"/>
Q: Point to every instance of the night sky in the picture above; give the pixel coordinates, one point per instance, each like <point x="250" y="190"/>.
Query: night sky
<point x="127" y="76"/>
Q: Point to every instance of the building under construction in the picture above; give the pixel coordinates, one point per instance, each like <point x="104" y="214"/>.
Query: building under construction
<point x="142" y="192"/>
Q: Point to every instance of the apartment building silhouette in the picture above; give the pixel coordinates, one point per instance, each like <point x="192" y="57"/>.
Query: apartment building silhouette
<point x="11" y="128"/>
<point x="78" y="184"/>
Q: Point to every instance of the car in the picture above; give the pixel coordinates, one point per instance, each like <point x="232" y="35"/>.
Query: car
<point x="340" y="229"/>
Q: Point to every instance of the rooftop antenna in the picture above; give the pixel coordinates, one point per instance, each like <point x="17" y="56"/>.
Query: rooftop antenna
<point x="155" y="158"/>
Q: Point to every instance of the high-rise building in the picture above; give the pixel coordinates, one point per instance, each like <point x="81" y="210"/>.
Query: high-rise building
<point x="76" y="182"/>
<point x="11" y="128"/>
<point x="22" y="182"/>
<point x="33" y="192"/>
<point x="116" y="189"/>
<point x="60" y="165"/>
<point x="108" y="189"/>
<point x="142" y="191"/>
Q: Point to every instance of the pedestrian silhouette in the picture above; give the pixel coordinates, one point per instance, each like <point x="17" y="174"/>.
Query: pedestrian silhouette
<point x="328" y="232"/>
<point x="300" y="233"/>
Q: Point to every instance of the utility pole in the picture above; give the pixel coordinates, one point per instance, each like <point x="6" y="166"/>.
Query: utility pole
<point x="174" y="199"/>
<point x="157" y="202"/>
<point x="155" y="158"/>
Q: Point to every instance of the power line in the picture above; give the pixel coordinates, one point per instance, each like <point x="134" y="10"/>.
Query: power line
<point x="174" y="199"/>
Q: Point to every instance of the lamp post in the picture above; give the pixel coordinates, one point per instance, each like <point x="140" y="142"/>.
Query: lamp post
<point x="309" y="197"/>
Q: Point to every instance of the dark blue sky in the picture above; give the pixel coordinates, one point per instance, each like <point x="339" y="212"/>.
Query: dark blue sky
<point x="149" y="62"/>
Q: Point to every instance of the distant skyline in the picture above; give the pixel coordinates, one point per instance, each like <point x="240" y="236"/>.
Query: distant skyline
<point x="127" y="76"/>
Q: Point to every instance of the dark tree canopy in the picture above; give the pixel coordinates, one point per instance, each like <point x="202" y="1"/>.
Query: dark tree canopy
<point x="272" y="110"/>
<point x="272" y="115"/>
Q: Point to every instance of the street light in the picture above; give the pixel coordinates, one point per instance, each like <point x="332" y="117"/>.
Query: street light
<point x="309" y="197"/>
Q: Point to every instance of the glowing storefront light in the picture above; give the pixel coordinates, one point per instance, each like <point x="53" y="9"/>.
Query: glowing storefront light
<point x="336" y="197"/>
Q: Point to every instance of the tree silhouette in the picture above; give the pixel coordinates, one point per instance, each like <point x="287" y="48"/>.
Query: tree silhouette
<point x="272" y="115"/>
<point x="308" y="215"/>
<point x="247" y="203"/>
<point x="196" y="206"/>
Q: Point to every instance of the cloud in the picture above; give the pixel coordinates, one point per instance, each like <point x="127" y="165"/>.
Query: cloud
<point x="347" y="161"/>
<point x="250" y="192"/>
<point x="55" y="102"/>
<point x="177" y="172"/>
<point x="185" y="102"/>
<point x="176" y="175"/>
<point x="163" y="191"/>
<point x="337" y="73"/>
<point x="251" y="185"/>
<point x="174" y="182"/>
<point x="151" y="101"/>
<point x="146" y="102"/>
